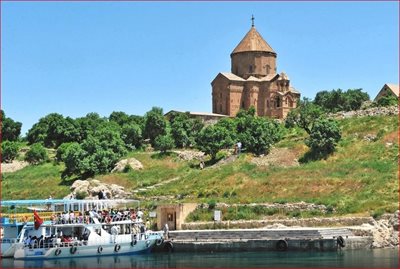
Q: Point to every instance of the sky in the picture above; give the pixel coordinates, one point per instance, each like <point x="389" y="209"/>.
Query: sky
<point x="74" y="58"/>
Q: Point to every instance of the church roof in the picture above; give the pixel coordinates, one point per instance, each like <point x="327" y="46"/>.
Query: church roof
<point x="253" y="41"/>
<point x="394" y="88"/>
<point x="231" y="76"/>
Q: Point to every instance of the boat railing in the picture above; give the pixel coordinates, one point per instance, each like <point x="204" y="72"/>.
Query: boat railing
<point x="57" y="243"/>
<point x="9" y="240"/>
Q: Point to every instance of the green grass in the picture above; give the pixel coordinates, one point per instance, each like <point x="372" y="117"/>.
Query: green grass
<point x="359" y="178"/>
<point x="34" y="182"/>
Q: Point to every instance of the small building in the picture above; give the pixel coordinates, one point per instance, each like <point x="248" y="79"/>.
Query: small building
<point x="388" y="89"/>
<point x="173" y="215"/>
<point x="205" y="117"/>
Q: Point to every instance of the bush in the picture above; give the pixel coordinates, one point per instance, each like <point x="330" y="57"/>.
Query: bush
<point x="389" y="100"/>
<point x="36" y="154"/>
<point x="164" y="143"/>
<point x="324" y="137"/>
<point x="212" y="204"/>
<point x="80" y="195"/>
<point x="9" y="151"/>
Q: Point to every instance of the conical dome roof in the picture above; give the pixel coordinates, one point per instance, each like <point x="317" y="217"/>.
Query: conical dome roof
<point x="253" y="41"/>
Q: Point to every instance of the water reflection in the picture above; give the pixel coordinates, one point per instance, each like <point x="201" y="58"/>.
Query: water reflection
<point x="379" y="258"/>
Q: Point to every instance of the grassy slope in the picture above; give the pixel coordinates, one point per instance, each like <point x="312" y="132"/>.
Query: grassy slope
<point x="361" y="177"/>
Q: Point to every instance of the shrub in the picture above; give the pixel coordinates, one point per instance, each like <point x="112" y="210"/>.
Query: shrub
<point x="9" y="151"/>
<point x="164" y="143"/>
<point x="389" y="100"/>
<point x="80" y="195"/>
<point x="36" y="154"/>
<point x="324" y="137"/>
<point x="212" y="204"/>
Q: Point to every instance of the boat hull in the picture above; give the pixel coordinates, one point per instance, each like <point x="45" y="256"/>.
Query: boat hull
<point x="127" y="248"/>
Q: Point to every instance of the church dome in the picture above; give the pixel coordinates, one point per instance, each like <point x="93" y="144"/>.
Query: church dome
<point x="253" y="42"/>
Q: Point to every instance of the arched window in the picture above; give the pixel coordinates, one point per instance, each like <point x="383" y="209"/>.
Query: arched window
<point x="242" y="104"/>
<point x="278" y="101"/>
<point x="290" y="102"/>
<point x="250" y="69"/>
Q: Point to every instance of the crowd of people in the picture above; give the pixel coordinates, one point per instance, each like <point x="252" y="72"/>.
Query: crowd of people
<point x="103" y="216"/>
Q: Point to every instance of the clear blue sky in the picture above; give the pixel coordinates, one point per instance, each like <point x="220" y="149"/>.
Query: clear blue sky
<point x="75" y="58"/>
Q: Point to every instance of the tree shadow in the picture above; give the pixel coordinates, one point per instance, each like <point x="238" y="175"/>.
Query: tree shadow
<point x="313" y="155"/>
<point x="162" y="155"/>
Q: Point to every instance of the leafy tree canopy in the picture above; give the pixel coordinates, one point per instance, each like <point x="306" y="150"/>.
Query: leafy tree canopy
<point x="9" y="151"/>
<point x="155" y="124"/>
<point x="213" y="138"/>
<point x="304" y="115"/>
<point x="338" y="100"/>
<point x="164" y="143"/>
<point x="10" y="129"/>
<point x="323" y="138"/>
<point x="36" y="154"/>
<point x="184" y="129"/>
<point x="53" y="130"/>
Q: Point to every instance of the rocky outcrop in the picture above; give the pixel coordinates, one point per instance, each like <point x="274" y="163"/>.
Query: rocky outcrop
<point x="372" y="111"/>
<point x="384" y="232"/>
<point x="91" y="187"/>
<point x="13" y="166"/>
<point x="188" y="155"/>
<point x="131" y="162"/>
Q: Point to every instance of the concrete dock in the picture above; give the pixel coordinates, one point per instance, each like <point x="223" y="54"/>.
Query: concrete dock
<point x="285" y="239"/>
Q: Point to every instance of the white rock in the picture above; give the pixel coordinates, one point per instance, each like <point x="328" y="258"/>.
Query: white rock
<point x="132" y="162"/>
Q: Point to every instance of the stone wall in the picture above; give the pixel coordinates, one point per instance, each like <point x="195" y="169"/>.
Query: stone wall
<point x="306" y="222"/>
<point x="371" y="111"/>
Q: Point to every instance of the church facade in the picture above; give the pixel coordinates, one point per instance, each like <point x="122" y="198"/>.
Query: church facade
<point x="253" y="81"/>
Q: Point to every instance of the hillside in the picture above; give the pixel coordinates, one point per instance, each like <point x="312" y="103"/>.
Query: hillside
<point x="360" y="178"/>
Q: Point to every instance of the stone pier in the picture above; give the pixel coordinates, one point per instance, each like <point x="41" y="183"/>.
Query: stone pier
<point x="286" y="239"/>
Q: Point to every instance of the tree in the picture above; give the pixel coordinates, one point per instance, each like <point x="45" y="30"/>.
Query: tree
<point x="324" y="137"/>
<point x="9" y="151"/>
<point x="36" y="154"/>
<point x="256" y="134"/>
<point x="10" y="129"/>
<point x="338" y="100"/>
<point x="53" y="130"/>
<point x="155" y="124"/>
<point x="164" y="143"/>
<point x="97" y="154"/>
<point x="88" y="125"/>
<point x="132" y="135"/>
<point x="184" y="129"/>
<point x="212" y="139"/>
<point x="259" y="135"/>
<point x="304" y="115"/>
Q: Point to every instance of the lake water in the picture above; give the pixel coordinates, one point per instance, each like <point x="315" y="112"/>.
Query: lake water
<point x="378" y="258"/>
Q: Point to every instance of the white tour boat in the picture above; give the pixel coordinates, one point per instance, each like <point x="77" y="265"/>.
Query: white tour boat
<point x="86" y="228"/>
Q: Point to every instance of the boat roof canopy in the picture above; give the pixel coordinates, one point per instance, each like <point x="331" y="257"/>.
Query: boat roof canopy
<point x="65" y="201"/>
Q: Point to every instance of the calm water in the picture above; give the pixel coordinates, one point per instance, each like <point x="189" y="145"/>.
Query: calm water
<point x="379" y="258"/>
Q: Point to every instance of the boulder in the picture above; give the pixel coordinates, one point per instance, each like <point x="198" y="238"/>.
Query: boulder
<point x="132" y="162"/>
<point x="92" y="187"/>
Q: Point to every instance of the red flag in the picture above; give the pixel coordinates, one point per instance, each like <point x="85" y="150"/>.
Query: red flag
<point x="38" y="221"/>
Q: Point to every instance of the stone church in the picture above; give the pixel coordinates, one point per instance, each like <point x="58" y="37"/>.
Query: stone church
<point x="253" y="81"/>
